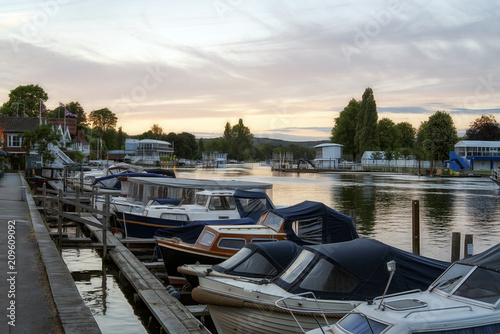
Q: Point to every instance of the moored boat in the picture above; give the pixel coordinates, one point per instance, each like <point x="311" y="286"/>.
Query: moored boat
<point x="306" y="223"/>
<point x="464" y="299"/>
<point x="329" y="279"/>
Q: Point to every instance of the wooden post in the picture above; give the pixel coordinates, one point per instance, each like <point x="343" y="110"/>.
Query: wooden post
<point x="415" y="218"/>
<point x="468" y="245"/>
<point x="59" y="217"/>
<point x="105" y="223"/>
<point x="455" y="246"/>
<point x="44" y="200"/>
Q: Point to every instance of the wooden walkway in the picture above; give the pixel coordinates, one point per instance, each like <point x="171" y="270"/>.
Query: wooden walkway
<point x="172" y="316"/>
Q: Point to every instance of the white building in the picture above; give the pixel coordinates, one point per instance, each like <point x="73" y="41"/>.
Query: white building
<point x="475" y="155"/>
<point x="377" y="159"/>
<point x="328" y="156"/>
<point x="148" y="151"/>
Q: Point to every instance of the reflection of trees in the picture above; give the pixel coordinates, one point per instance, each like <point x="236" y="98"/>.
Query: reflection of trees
<point x="439" y="208"/>
<point x="358" y="194"/>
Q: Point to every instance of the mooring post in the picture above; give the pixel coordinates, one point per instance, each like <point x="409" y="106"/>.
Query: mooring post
<point x="455" y="246"/>
<point x="468" y="245"/>
<point x="105" y="222"/>
<point x="44" y="200"/>
<point x="415" y="219"/>
<point x="59" y="217"/>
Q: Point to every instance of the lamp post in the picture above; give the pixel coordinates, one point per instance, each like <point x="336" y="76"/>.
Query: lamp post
<point x="391" y="268"/>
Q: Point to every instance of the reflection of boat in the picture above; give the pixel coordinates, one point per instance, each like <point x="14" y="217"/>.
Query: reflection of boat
<point x="208" y="205"/>
<point x="306" y="223"/>
<point x="495" y="176"/>
<point x="465" y="299"/>
<point x="333" y="278"/>
<point x="263" y="260"/>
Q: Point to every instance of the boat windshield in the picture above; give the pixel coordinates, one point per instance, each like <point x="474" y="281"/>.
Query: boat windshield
<point x="360" y="324"/>
<point x="450" y="279"/>
<point x="296" y="268"/>
<point x="201" y="200"/>
<point x="236" y="258"/>
<point x="271" y="220"/>
<point x="482" y="285"/>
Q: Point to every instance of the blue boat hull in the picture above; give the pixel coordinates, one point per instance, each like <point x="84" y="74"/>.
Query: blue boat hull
<point x="138" y="226"/>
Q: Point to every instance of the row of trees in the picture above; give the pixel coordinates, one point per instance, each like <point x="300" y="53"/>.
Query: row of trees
<point x="359" y="130"/>
<point x="101" y="133"/>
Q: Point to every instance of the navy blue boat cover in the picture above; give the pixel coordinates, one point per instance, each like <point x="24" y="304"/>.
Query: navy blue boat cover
<point x="189" y="233"/>
<point x="277" y="256"/>
<point x="489" y="259"/>
<point x="166" y="201"/>
<point x="358" y="271"/>
<point x="252" y="203"/>
<point x="316" y="219"/>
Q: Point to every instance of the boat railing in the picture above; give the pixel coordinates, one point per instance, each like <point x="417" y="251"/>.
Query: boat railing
<point x="298" y="306"/>
<point x="397" y="294"/>
<point x="438" y="309"/>
<point x="495" y="174"/>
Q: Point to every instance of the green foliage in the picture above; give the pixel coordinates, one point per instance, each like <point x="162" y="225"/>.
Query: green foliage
<point x="387" y="134"/>
<point x="437" y="136"/>
<point x="238" y="140"/>
<point x="76" y="156"/>
<point x="25" y="98"/>
<point x="405" y="135"/>
<point x="103" y="119"/>
<point x="41" y="138"/>
<point x="366" y="136"/>
<point x="484" y="128"/>
<point x="345" y="128"/>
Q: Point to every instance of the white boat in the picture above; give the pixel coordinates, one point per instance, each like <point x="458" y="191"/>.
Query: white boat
<point x="330" y="278"/>
<point x="464" y="299"/>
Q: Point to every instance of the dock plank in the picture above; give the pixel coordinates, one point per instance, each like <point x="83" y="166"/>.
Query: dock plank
<point x="169" y="312"/>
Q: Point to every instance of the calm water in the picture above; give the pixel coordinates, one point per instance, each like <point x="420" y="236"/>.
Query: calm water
<point x="383" y="210"/>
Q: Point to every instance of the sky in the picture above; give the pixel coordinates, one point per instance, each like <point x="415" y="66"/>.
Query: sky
<point x="287" y="68"/>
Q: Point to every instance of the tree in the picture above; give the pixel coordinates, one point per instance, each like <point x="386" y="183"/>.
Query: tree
<point x="77" y="109"/>
<point x="41" y="139"/>
<point x="484" y="128"/>
<point x="25" y="99"/>
<point x="366" y="136"/>
<point x="157" y="131"/>
<point x="438" y="136"/>
<point x="103" y="119"/>
<point x="405" y="135"/>
<point x="345" y="128"/>
<point x="243" y="141"/>
<point x="387" y="134"/>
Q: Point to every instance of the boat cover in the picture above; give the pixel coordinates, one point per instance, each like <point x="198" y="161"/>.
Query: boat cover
<point x="489" y="259"/>
<point x="189" y="233"/>
<point x="263" y="260"/>
<point x="112" y="181"/>
<point x="166" y="201"/>
<point x="357" y="270"/>
<point x="252" y="203"/>
<point x="318" y="223"/>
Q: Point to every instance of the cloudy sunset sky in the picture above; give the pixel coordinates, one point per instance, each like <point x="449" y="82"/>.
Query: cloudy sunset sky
<point x="287" y="68"/>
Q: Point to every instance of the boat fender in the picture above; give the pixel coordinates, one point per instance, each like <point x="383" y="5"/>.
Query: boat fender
<point x="173" y="292"/>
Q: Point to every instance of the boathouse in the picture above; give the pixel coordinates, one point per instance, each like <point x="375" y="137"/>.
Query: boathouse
<point x="475" y="155"/>
<point x="328" y="156"/>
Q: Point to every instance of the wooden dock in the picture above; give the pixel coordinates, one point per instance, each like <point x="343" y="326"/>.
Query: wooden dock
<point x="171" y="315"/>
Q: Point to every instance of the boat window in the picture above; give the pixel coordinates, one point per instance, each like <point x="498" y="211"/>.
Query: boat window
<point x="253" y="204"/>
<point x="207" y="238"/>
<point x="236" y="258"/>
<point x="222" y="203"/>
<point x="301" y="262"/>
<point x="325" y="276"/>
<point x="256" y="265"/>
<point x="360" y="324"/>
<point x="232" y="243"/>
<point x="482" y="285"/>
<point x="309" y="229"/>
<point x="201" y="200"/>
<point x="449" y="280"/>
<point x="272" y="221"/>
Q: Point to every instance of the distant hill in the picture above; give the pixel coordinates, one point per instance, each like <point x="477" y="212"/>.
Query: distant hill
<point x="279" y="142"/>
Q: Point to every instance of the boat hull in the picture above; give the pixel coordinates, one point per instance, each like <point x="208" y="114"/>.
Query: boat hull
<point x="138" y="226"/>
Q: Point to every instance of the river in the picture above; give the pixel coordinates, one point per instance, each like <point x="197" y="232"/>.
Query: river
<point x="382" y="203"/>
